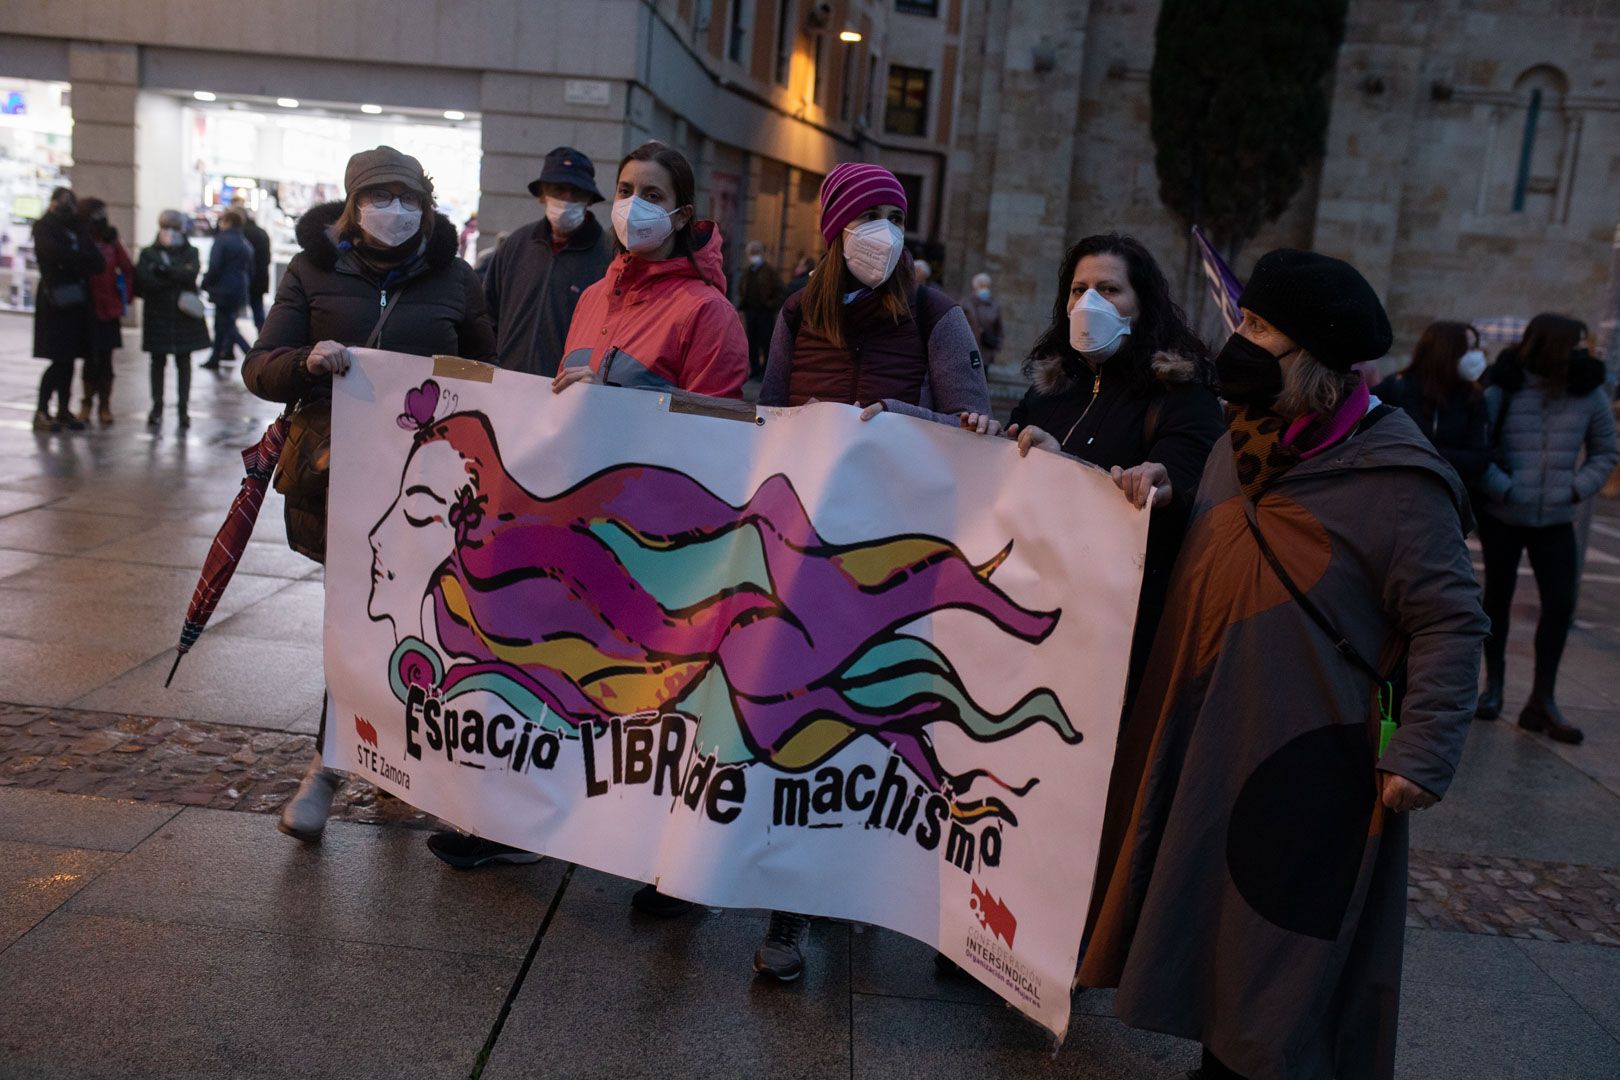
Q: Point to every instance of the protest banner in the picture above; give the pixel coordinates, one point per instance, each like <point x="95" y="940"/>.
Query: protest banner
<point x="778" y="659"/>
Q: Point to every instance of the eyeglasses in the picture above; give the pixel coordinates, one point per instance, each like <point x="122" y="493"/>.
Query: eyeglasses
<point x="378" y="198"/>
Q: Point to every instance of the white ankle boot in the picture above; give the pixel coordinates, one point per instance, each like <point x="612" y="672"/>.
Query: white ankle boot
<point x="305" y="814"/>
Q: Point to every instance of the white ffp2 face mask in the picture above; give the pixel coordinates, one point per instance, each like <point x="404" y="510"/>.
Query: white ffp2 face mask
<point x="1096" y="328"/>
<point x="640" y="225"/>
<point x="1471" y="365"/>
<point x="390" y="225"/>
<point x="565" y="215"/>
<point x="872" y="251"/>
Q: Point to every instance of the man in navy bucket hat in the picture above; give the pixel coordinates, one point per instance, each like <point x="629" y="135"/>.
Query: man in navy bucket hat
<point x="536" y="276"/>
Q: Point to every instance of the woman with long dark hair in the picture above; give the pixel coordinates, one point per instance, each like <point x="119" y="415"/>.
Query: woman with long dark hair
<point x="1440" y="391"/>
<point x="1121" y="381"/>
<point x="660" y="319"/>
<point x="1547" y="407"/>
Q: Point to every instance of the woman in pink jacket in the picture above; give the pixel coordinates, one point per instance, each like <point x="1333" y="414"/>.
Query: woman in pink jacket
<point x="660" y="319"/>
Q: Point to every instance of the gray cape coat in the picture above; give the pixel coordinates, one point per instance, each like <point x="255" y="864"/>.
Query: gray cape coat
<point x="1251" y="889"/>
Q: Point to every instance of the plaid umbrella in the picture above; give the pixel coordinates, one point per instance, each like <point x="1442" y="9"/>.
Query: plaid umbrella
<point x="1501" y="330"/>
<point x="260" y="461"/>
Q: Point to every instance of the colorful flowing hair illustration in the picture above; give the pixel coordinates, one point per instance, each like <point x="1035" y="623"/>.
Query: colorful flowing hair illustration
<point x="638" y="585"/>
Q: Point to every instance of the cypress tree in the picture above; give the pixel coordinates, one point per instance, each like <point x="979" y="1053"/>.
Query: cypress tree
<point x="1239" y="94"/>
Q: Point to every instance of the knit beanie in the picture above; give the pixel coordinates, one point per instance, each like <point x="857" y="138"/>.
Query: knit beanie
<point x="853" y="188"/>
<point x="1323" y="303"/>
<point x="384" y="165"/>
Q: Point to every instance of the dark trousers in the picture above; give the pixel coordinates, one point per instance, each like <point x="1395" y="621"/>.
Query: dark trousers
<point x="57" y="380"/>
<point x="226" y="335"/>
<point x="1552" y="558"/>
<point x="98" y="368"/>
<point x="256" y="305"/>
<point x="760" y="323"/>
<point x="182" y="380"/>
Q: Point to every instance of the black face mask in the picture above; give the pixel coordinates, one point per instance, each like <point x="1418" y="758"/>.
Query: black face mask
<point x="1248" y="374"/>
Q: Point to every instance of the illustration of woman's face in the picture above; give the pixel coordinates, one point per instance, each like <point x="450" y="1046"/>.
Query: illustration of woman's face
<point x="414" y="537"/>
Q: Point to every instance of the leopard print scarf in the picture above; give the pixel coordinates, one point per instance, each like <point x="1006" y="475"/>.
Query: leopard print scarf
<point x="1265" y="446"/>
<point x="1257" y="447"/>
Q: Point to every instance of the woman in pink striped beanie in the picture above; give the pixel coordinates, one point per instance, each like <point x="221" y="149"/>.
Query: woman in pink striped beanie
<point x="860" y="332"/>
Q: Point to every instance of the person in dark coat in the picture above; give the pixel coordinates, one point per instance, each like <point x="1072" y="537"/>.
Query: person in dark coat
<point x="63" y="323"/>
<point x="534" y="280"/>
<point x="1119" y="380"/>
<point x="230" y="273"/>
<point x="1553" y="445"/>
<point x="984" y="318"/>
<point x="1252" y="869"/>
<point x="259" y="240"/>
<point x="111" y="290"/>
<point x="166" y="271"/>
<point x="759" y="298"/>
<point x="380" y="270"/>
<point x="1440" y="391"/>
<point x="801" y="276"/>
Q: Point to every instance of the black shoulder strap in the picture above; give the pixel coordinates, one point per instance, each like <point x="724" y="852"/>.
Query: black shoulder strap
<point x="376" y="331"/>
<point x="1340" y="642"/>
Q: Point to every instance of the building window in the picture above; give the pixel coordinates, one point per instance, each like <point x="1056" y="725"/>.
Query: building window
<point x="907" y="111"/>
<point x="702" y="11"/>
<point x="917" y="7"/>
<point x="738" y="42"/>
<point x="846" y="89"/>
<point x="784" y="40"/>
<point x="1538" y="165"/>
<point x="912" y="185"/>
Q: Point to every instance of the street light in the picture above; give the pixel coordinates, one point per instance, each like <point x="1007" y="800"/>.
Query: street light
<point x="203" y="95"/>
<point x="454" y="114"/>
<point x="850" y="36"/>
<point x="372" y="110"/>
<point x="287" y="102"/>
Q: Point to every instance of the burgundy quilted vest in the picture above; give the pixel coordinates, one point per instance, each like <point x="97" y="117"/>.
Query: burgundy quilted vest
<point x="882" y="358"/>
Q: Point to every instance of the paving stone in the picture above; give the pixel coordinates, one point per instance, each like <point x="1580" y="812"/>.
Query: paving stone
<point x="896" y="1038"/>
<point x="361" y="883"/>
<point x="35" y="879"/>
<point x="675" y="997"/>
<point x="217" y="1001"/>
<point x="1590" y="974"/>
<point x="1469" y="1032"/>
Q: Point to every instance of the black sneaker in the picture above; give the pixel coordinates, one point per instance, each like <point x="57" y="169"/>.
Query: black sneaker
<point x="464" y="852"/>
<point x="650" y="901"/>
<point x="68" y="422"/>
<point x="780" y="955"/>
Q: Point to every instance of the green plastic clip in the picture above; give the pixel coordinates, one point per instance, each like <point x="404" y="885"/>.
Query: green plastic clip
<point x="1386" y="717"/>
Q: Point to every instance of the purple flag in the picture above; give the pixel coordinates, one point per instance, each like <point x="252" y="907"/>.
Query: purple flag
<point x="1224" y="287"/>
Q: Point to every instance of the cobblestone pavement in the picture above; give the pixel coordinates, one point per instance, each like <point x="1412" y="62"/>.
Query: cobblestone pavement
<point x="187" y="763"/>
<point x="223" y="767"/>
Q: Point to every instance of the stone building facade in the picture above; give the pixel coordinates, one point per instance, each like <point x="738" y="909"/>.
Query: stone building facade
<point x="1472" y="165"/>
<point x="1436" y="182"/>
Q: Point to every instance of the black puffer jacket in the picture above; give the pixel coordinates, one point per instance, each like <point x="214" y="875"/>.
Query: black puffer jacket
<point x="329" y="294"/>
<point x="161" y="275"/>
<point x="1107" y="419"/>
<point x="1456" y="427"/>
